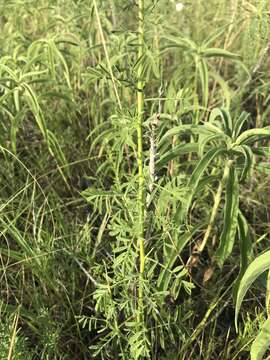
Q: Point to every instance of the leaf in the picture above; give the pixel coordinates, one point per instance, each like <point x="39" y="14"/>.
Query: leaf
<point x="16" y="235"/>
<point x="212" y="37"/>
<point x="56" y="151"/>
<point x="261" y="342"/>
<point x="186" y="129"/>
<point x="175" y="249"/>
<point x="230" y="217"/>
<point x="224" y="87"/>
<point x="33" y="104"/>
<point x="153" y="62"/>
<point x="11" y="73"/>
<point x="215" y="52"/>
<point x="262" y="151"/>
<point x="237" y="127"/>
<point x="248" y="155"/>
<point x="206" y="139"/>
<point x="175" y="152"/>
<point x="101" y="230"/>
<point x="182" y="42"/>
<point x="250" y="136"/>
<point x="32" y="74"/>
<point x="254" y="270"/>
<point x="194" y="181"/>
<point x="203" y="71"/>
<point x="91" y="193"/>
<point x="245" y="247"/>
<point x="213" y="128"/>
<point x="170" y="255"/>
<point x="225" y="116"/>
<point x="267" y="297"/>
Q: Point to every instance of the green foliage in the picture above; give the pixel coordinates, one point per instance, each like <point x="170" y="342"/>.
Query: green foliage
<point x="19" y="348"/>
<point x="134" y="178"/>
<point x="254" y="270"/>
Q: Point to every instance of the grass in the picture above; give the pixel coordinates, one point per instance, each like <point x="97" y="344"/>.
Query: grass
<point x="134" y="179"/>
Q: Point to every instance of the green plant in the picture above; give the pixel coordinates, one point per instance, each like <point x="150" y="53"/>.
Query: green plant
<point x="254" y="270"/>
<point x="13" y="344"/>
<point x="115" y="206"/>
<point x="200" y="53"/>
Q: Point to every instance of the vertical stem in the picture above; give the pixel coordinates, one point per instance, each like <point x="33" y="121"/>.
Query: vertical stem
<point x="141" y="190"/>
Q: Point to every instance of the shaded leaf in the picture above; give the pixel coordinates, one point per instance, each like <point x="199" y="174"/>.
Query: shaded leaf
<point x="230" y="217"/>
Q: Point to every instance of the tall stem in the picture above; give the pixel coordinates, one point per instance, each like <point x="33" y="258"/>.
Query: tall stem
<point x="141" y="190"/>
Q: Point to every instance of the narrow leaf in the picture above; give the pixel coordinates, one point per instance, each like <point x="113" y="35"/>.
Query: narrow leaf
<point x="261" y="343"/>
<point x="186" y="129"/>
<point x="203" y="71"/>
<point x="194" y="181"/>
<point x="215" y="52"/>
<point x="225" y="116"/>
<point x="255" y="269"/>
<point x="237" y="127"/>
<point x="245" y="247"/>
<point x="253" y="135"/>
<point x="175" y="152"/>
<point x="230" y="218"/>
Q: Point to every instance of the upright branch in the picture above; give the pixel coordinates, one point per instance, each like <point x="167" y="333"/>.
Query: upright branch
<point x="141" y="189"/>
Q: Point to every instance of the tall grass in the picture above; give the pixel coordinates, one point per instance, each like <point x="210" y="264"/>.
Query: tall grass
<point x="134" y="181"/>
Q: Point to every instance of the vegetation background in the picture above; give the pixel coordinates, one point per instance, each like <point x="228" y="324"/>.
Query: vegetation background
<point x="134" y="140"/>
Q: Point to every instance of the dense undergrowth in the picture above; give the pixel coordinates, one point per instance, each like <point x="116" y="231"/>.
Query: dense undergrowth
<point x="134" y="175"/>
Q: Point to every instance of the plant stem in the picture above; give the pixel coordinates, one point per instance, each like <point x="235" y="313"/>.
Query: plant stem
<point x="141" y="190"/>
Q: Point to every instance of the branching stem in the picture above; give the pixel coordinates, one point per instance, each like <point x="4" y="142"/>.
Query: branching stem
<point x="141" y="189"/>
